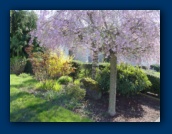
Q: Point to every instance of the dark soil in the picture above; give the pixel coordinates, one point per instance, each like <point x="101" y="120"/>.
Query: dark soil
<point x="137" y="108"/>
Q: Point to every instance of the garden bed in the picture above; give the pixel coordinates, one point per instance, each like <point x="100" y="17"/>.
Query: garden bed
<point x="137" y="108"/>
<point x="28" y="104"/>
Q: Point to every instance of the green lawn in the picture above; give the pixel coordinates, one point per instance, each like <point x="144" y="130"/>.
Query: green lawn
<point x="25" y="106"/>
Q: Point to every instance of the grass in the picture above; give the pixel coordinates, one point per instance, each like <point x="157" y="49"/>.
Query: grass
<point x="27" y="106"/>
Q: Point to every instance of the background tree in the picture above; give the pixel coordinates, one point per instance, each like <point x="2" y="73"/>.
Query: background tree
<point x="134" y="34"/>
<point x="21" y="23"/>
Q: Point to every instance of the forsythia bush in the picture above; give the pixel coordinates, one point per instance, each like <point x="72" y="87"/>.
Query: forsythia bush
<point x="58" y="64"/>
<point x="50" y="64"/>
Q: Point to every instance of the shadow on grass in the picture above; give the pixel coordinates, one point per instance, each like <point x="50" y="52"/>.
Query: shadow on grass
<point x="47" y="111"/>
<point x="18" y="95"/>
<point x="27" y="84"/>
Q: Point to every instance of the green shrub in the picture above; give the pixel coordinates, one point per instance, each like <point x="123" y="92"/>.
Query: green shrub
<point x="143" y="67"/>
<point x="49" y="85"/>
<point x="77" y="65"/>
<point x="103" y="65"/>
<point x="75" y="92"/>
<point x="155" y="67"/>
<point x="84" y="69"/>
<point x="87" y="69"/>
<point x="17" y="65"/>
<point x="92" y="88"/>
<point x="103" y="79"/>
<point x="130" y="79"/>
<point x="28" y="68"/>
<point x="64" y="80"/>
<point x="24" y="75"/>
<point x="155" y="80"/>
<point x="90" y="83"/>
<point x="77" y="82"/>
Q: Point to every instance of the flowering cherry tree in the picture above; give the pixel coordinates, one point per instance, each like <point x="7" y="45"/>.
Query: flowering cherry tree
<point x="134" y="34"/>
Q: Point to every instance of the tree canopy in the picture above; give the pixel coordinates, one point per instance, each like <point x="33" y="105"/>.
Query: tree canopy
<point x="134" y="34"/>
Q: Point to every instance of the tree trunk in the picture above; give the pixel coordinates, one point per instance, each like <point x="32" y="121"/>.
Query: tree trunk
<point x="113" y="83"/>
<point x="71" y="52"/>
<point x="94" y="62"/>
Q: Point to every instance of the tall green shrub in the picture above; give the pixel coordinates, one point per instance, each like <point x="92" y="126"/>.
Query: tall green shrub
<point x="130" y="79"/>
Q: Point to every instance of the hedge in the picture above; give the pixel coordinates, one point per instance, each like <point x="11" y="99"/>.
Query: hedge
<point x="130" y="79"/>
<point x="154" y="78"/>
<point x="85" y="68"/>
<point x="155" y="67"/>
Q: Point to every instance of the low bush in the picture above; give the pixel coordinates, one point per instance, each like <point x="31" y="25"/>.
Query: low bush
<point x="24" y="75"/>
<point x="155" y="67"/>
<point x="64" y="80"/>
<point x="130" y="79"/>
<point x="49" y="85"/>
<point x="75" y="92"/>
<point x="155" y="80"/>
<point x="92" y="88"/>
<point x="17" y="65"/>
<point x="77" y="82"/>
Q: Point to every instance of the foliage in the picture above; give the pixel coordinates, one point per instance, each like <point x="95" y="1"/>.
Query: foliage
<point x="77" y="65"/>
<point x="92" y="88"/>
<point x="84" y="69"/>
<point x="134" y="34"/>
<point x="155" y="67"/>
<point x="24" y="75"/>
<point x="103" y="65"/>
<point x="130" y="79"/>
<point x="90" y="83"/>
<point x="64" y="80"/>
<point x="21" y="23"/>
<point x="49" y="85"/>
<point x="17" y="65"/>
<point x="75" y="92"/>
<point x="155" y="80"/>
<point x="143" y="67"/>
<point x="77" y="82"/>
<point x="50" y="64"/>
<point x="37" y="106"/>
<point x="103" y="78"/>
<point x="87" y="69"/>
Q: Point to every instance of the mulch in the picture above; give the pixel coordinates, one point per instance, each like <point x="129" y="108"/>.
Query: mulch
<point x="137" y="108"/>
